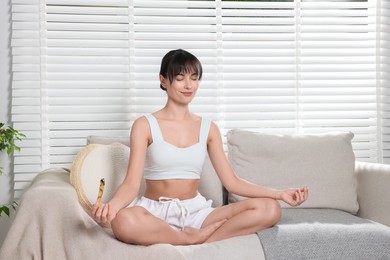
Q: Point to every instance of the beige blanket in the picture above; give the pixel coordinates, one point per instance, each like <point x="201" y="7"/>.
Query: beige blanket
<point x="51" y="224"/>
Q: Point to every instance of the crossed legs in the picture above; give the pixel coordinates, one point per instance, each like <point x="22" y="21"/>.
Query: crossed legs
<point x="243" y="218"/>
<point x="136" y="225"/>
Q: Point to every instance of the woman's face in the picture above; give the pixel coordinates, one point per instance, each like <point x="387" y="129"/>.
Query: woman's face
<point x="182" y="88"/>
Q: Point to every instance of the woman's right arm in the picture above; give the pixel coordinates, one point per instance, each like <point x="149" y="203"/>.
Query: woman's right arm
<point x="139" y="139"/>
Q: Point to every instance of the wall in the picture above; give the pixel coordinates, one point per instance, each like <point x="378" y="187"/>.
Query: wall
<point x="6" y="185"/>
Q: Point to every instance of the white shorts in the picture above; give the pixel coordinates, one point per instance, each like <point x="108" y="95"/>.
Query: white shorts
<point x="179" y="213"/>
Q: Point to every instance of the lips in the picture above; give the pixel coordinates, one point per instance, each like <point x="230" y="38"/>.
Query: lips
<point x="187" y="94"/>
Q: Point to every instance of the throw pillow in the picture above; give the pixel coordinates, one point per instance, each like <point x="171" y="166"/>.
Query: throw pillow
<point x="323" y="162"/>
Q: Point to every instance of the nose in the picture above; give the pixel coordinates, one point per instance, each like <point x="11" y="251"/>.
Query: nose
<point x="188" y="84"/>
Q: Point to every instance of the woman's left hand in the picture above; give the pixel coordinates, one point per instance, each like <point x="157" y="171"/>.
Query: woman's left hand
<point x="294" y="197"/>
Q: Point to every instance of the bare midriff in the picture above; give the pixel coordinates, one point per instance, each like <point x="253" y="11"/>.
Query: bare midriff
<point x="177" y="189"/>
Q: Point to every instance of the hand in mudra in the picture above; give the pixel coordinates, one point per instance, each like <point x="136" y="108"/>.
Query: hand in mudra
<point x="294" y="197"/>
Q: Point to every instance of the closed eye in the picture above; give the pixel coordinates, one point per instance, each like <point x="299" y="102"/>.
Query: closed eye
<point x="194" y="77"/>
<point x="179" y="77"/>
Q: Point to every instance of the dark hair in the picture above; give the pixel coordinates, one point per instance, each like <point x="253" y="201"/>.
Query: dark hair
<point x="179" y="61"/>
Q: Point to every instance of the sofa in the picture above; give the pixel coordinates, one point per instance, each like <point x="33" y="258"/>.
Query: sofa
<point x="347" y="215"/>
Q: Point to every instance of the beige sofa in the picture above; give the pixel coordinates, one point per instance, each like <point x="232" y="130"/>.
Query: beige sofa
<point x="346" y="217"/>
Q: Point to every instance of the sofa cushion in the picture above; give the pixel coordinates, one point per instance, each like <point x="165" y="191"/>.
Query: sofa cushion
<point x="209" y="184"/>
<point x="236" y="248"/>
<point x="325" y="234"/>
<point x="323" y="162"/>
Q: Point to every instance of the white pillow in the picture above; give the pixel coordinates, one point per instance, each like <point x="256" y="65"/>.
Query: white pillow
<point x="323" y="162"/>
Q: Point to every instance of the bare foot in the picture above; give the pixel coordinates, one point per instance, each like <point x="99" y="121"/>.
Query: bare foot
<point x="199" y="236"/>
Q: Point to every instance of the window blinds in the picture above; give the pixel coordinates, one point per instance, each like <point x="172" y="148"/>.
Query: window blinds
<point x="384" y="46"/>
<point x="87" y="74"/>
<point x="90" y="67"/>
<point x="160" y="26"/>
<point x="337" y="71"/>
<point x="77" y="84"/>
<point x="27" y="97"/>
<point x="259" y="66"/>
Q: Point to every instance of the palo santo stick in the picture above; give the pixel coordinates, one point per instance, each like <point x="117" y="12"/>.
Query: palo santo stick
<point x="101" y="190"/>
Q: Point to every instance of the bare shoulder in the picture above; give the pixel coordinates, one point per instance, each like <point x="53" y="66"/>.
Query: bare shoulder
<point x="214" y="134"/>
<point x="140" y="122"/>
<point x="214" y="128"/>
<point x="140" y="129"/>
<point x="140" y="125"/>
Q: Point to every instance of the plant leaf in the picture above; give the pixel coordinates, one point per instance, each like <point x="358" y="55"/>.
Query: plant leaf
<point x="5" y="210"/>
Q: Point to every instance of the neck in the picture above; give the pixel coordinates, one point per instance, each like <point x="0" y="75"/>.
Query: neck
<point x="171" y="111"/>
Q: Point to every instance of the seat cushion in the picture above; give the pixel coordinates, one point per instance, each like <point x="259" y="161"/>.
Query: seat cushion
<point x="325" y="234"/>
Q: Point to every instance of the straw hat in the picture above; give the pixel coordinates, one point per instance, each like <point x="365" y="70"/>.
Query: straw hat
<point x="94" y="162"/>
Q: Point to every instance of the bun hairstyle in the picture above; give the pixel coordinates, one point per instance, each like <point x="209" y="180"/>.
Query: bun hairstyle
<point x="179" y="61"/>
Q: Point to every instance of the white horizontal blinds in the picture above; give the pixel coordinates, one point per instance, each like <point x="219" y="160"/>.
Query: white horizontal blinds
<point x="90" y="67"/>
<point x="385" y="76"/>
<point x="26" y="101"/>
<point x="337" y="71"/>
<point x="259" y="74"/>
<point x="87" y="72"/>
<point x="160" y="26"/>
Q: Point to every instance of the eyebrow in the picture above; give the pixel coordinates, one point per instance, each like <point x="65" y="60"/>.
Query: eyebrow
<point x="183" y="73"/>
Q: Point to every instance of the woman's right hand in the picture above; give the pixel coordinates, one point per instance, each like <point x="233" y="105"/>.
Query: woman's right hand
<point x="103" y="214"/>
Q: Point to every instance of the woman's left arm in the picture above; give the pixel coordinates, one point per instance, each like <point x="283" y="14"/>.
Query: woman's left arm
<point x="241" y="187"/>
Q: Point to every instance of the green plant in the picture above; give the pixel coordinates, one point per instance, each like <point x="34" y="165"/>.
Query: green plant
<point x="5" y="208"/>
<point x="8" y="136"/>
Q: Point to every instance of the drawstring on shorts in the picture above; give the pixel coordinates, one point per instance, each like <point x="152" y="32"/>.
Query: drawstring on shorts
<point x="184" y="211"/>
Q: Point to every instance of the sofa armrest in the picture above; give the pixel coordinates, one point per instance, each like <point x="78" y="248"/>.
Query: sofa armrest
<point x="373" y="191"/>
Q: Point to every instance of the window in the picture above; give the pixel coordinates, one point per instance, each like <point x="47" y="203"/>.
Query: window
<point x="384" y="77"/>
<point x="91" y="67"/>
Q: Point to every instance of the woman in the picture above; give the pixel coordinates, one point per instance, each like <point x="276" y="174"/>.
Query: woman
<point x="168" y="149"/>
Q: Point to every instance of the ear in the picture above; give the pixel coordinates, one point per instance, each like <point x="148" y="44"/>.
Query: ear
<point x="163" y="81"/>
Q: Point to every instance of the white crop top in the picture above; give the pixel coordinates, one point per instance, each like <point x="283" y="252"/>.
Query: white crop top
<point x="165" y="161"/>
